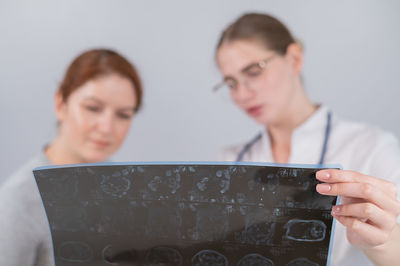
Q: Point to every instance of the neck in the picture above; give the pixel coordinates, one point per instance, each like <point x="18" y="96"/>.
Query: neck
<point x="59" y="153"/>
<point x="299" y="110"/>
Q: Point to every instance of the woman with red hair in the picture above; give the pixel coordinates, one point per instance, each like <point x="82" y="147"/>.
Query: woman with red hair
<point x="95" y="103"/>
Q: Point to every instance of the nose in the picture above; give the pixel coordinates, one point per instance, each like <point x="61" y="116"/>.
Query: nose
<point x="106" y="123"/>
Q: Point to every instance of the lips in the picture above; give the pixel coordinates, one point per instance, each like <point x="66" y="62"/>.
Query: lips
<point x="101" y="143"/>
<point x="255" y="110"/>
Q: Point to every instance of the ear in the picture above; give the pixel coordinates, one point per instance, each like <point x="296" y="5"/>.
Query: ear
<point x="295" y="53"/>
<point x="59" y="106"/>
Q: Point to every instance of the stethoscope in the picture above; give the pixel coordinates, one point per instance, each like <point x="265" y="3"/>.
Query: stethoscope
<point x="324" y="146"/>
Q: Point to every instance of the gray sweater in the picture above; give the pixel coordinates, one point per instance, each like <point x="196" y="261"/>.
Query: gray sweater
<point x="25" y="236"/>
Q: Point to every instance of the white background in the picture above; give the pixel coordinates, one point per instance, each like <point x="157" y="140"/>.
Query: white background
<point x="352" y="62"/>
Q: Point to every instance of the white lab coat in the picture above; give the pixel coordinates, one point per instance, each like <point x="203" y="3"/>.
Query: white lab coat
<point x="355" y="146"/>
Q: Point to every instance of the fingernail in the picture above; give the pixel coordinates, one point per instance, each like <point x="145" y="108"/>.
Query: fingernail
<point x="336" y="209"/>
<point x="324" y="187"/>
<point x="324" y="175"/>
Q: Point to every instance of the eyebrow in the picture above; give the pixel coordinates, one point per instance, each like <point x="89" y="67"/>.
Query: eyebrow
<point x="246" y="68"/>
<point x="91" y="98"/>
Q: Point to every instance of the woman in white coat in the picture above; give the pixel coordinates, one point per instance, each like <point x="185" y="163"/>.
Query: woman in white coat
<point x="261" y="65"/>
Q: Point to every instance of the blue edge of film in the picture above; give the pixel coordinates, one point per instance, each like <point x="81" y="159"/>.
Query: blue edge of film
<point x="323" y="166"/>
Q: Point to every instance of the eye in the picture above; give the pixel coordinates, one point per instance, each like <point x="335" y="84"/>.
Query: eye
<point x="125" y="116"/>
<point x="232" y="84"/>
<point x="254" y="71"/>
<point x="93" y="108"/>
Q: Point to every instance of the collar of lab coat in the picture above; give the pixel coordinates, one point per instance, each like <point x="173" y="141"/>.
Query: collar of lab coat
<point x="307" y="140"/>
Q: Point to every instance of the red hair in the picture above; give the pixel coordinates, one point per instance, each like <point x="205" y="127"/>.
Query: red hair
<point x="95" y="63"/>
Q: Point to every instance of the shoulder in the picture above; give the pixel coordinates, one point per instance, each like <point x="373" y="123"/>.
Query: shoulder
<point x="24" y="173"/>
<point x="231" y="153"/>
<point x="20" y="186"/>
<point x="368" y="148"/>
<point x="367" y="136"/>
<point x="20" y="200"/>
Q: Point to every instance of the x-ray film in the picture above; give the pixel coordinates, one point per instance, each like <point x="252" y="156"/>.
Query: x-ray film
<point x="186" y="214"/>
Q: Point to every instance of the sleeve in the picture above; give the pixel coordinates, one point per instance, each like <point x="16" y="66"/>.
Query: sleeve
<point x="17" y="243"/>
<point x="384" y="161"/>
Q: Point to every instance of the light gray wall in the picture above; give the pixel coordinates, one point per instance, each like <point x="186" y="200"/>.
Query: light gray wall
<point x="351" y="64"/>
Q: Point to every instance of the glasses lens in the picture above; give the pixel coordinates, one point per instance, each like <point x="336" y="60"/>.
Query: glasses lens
<point x="253" y="78"/>
<point x="223" y="92"/>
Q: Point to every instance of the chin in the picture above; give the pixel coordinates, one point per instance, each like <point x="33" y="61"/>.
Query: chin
<point x="268" y="118"/>
<point x="96" y="157"/>
<point x="262" y="120"/>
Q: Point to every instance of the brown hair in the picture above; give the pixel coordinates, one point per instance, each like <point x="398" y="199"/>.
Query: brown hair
<point x="267" y="30"/>
<point x="95" y="63"/>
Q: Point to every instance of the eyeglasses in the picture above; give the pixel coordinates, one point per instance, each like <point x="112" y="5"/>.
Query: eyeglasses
<point x="250" y="77"/>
